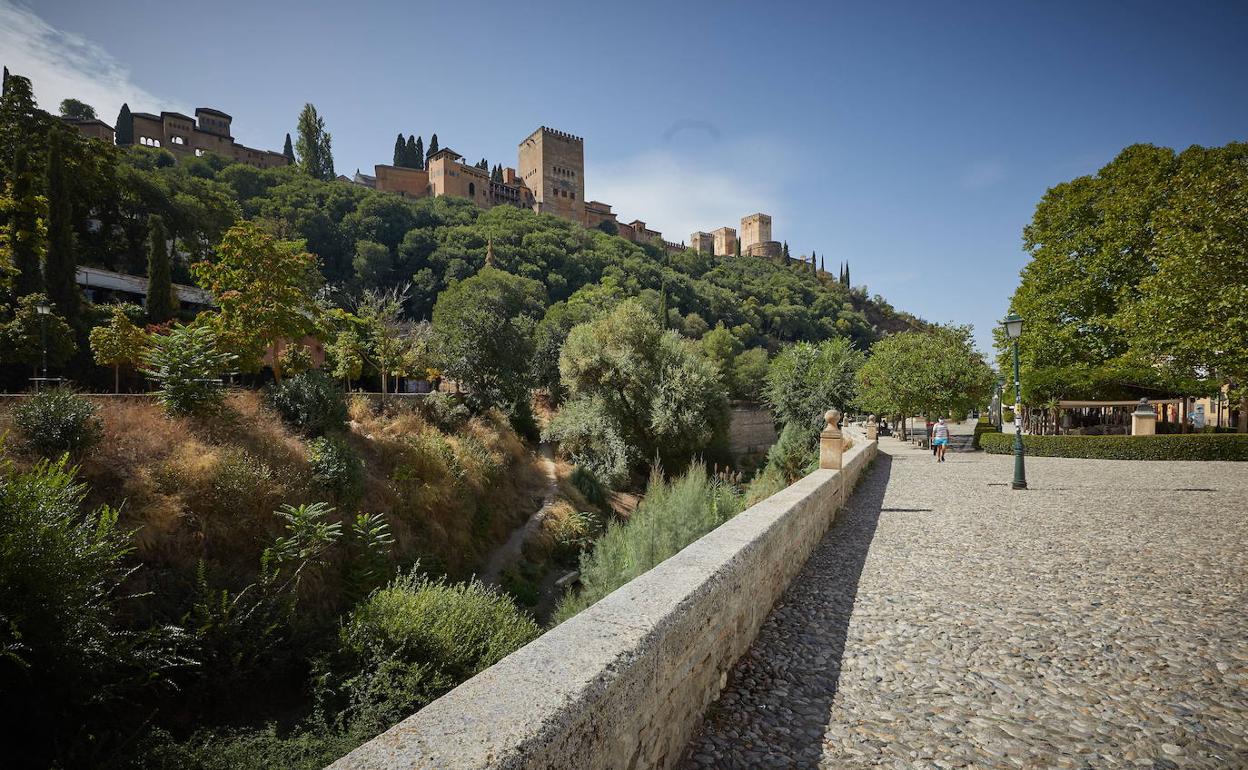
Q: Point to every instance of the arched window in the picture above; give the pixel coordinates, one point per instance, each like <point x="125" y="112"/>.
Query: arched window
<point x="472" y="190"/>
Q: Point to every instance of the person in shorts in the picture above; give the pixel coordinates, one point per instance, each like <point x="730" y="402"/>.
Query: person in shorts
<point x="940" y="438"/>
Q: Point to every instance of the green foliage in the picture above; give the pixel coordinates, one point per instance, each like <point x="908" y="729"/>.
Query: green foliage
<point x="125" y="126"/>
<point x="60" y="262"/>
<point x="671" y="516"/>
<point x="936" y="373"/>
<point x="66" y="661"/>
<point x="590" y="486"/>
<point x="337" y="468"/>
<point x="188" y="366"/>
<point x="53" y="422"/>
<point x="309" y="746"/>
<point x="24" y="333"/>
<point x="793" y="455"/>
<point x="749" y="374"/>
<point x="806" y="380"/>
<point x="638" y="393"/>
<point x="316" y="158"/>
<point x="484" y="329"/>
<point x="118" y="343"/>
<point x="982" y="427"/>
<point x="310" y="402"/>
<point x="444" y="411"/>
<point x="1195" y="446"/>
<point x="415" y="639"/>
<point x="23" y="226"/>
<point x="161" y="304"/>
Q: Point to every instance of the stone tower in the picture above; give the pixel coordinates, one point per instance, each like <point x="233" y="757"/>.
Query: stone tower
<point x="552" y="165"/>
<point x="703" y="242"/>
<point x="725" y="241"/>
<point x="755" y="228"/>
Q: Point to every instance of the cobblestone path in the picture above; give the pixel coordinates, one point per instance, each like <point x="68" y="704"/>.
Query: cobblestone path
<point x="1096" y="620"/>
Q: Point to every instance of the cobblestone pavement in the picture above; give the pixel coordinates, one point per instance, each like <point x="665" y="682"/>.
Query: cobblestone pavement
<point x="1095" y="620"/>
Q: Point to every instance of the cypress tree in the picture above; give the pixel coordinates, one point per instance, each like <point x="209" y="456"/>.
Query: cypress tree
<point x="847" y="274"/>
<point x="411" y="153"/>
<point x="60" y="267"/>
<point x="288" y="150"/>
<point x="24" y="235"/>
<point x="814" y="265"/>
<point x="160" y="303"/>
<point x="316" y="156"/>
<point x="736" y="249"/>
<point x="418" y="152"/>
<point x="823" y="267"/>
<point x="124" y="130"/>
<point x="400" y="151"/>
<point x="785" y="251"/>
<point x="433" y="145"/>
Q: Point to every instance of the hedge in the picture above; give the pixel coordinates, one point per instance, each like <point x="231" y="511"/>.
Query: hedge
<point x="1197" y="446"/>
<point x="981" y="428"/>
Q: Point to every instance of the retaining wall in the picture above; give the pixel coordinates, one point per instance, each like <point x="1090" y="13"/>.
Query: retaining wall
<point x="751" y="430"/>
<point x="625" y="683"/>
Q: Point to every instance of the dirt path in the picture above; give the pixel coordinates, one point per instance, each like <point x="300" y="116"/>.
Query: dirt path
<point x="509" y="552"/>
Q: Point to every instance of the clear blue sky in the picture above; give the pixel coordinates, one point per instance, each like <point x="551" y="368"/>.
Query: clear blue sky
<point x="912" y="139"/>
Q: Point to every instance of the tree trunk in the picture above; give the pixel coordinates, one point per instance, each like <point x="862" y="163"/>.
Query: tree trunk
<point x="116" y="378"/>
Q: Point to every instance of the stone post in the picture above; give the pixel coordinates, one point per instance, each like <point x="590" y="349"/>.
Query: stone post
<point x="831" y="444"/>
<point x="873" y="428"/>
<point x="1144" y="419"/>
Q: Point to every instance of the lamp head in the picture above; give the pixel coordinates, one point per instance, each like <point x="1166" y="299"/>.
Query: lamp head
<point x="43" y="308"/>
<point x="1013" y="324"/>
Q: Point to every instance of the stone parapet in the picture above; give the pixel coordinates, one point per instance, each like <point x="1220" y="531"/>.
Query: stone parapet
<point x="625" y="683"/>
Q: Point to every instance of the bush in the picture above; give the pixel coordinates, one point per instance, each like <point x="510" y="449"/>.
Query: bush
<point x="588" y="484"/>
<point x="65" y="661"/>
<point x="311" y="402"/>
<point x="57" y="421"/>
<point x="337" y="468"/>
<point x="188" y="366"/>
<point x="1197" y="446"/>
<point x="982" y="427"/>
<point x="444" y="411"/>
<point x="417" y="638"/>
<point x="671" y="516"/>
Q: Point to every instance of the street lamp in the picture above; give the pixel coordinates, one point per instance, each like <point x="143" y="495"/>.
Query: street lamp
<point x="43" y="309"/>
<point x="1013" y="329"/>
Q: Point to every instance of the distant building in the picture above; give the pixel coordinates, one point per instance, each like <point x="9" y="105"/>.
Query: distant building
<point x="208" y="131"/>
<point x="92" y="129"/>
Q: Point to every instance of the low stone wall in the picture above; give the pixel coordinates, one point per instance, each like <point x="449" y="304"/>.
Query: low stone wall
<point x="625" y="683"/>
<point x="751" y="430"/>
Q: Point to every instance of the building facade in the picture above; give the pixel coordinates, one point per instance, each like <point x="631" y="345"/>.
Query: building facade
<point x="208" y="131"/>
<point x="552" y="165"/>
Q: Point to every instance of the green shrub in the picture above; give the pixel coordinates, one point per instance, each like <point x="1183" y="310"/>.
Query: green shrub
<point x="671" y="516"/>
<point x="337" y="468"/>
<point x="53" y="422"/>
<point x="981" y="428"/>
<point x="311" y="402"/>
<point x="444" y="411"/>
<point x="65" y="658"/>
<point x="589" y="485"/>
<point x="307" y="747"/>
<point x="1197" y="446"/>
<point x="417" y="638"/>
<point x="188" y="366"/>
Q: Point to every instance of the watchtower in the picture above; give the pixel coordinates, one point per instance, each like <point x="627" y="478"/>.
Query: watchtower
<point x="552" y="165"/>
<point x="755" y="228"/>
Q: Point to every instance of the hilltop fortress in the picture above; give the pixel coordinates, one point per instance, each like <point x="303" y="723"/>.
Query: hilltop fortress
<point x="550" y="178"/>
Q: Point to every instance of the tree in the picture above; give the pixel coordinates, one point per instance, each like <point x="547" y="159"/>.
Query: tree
<point x="385" y="341"/>
<point x="846" y="281"/>
<point x="60" y="265"/>
<point x="123" y="132"/>
<point x="24" y="334"/>
<point x="188" y="364"/>
<point x="418" y="152"/>
<point x="785" y="251"/>
<point x="400" y="151"/>
<point x="433" y="145"/>
<point x="1192" y="312"/>
<point x="736" y="249"/>
<point x="373" y="264"/>
<point x="749" y="374"/>
<point x="316" y="158"/>
<point x="805" y="380"/>
<point x="413" y="154"/>
<point x="484" y="327"/>
<point x="23" y="234"/>
<point x="118" y="343"/>
<point x="72" y="109"/>
<point x="288" y="150"/>
<point x="22" y="123"/>
<point x="935" y="373"/>
<point x="638" y="393"/>
<point x="161" y="302"/>
<point x="264" y="289"/>
<point x="721" y="346"/>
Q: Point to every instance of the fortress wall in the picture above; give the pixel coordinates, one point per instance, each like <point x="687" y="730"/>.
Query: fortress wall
<point x="625" y="683"/>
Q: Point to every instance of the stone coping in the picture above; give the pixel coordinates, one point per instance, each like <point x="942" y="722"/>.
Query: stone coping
<point x="624" y="684"/>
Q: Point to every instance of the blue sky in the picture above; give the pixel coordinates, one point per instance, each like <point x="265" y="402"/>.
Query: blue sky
<point x="912" y="139"/>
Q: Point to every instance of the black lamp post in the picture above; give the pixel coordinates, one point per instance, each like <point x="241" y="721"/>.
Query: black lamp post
<point x="1013" y="329"/>
<point x="43" y="309"/>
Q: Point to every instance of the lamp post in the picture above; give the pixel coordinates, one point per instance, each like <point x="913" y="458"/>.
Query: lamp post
<point x="43" y="309"/>
<point x="1013" y="329"/>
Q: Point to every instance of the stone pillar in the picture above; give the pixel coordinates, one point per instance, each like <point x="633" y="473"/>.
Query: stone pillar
<point x="831" y="444"/>
<point x="1144" y="419"/>
<point x="873" y="428"/>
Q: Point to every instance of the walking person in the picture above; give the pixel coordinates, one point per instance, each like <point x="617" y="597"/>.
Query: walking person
<point x="940" y="438"/>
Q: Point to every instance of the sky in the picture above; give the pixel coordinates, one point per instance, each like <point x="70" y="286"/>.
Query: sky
<point x="911" y="139"/>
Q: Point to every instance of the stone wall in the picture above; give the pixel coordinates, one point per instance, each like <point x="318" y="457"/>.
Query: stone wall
<point x="625" y="683"/>
<point x="751" y="430"/>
